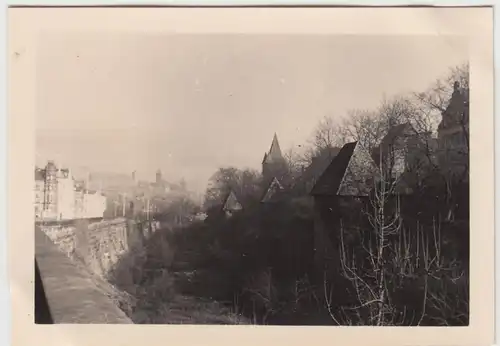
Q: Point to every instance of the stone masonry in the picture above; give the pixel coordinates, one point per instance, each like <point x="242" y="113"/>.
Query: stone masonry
<point x="99" y="245"/>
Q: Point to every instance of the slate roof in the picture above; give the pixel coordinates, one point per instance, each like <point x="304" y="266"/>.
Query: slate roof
<point x="350" y="173"/>
<point x="329" y="182"/>
<point x="318" y="166"/>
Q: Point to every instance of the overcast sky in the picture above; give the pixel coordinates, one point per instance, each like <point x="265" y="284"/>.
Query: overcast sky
<point x="188" y="104"/>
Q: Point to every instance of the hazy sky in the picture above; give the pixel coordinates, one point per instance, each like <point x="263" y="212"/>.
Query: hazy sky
<point x="188" y="104"/>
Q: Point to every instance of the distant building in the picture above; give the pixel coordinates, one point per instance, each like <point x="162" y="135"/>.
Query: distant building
<point x="94" y="205"/>
<point x="160" y="186"/>
<point x="39" y="192"/>
<point x="59" y="197"/>
<point x="159" y="178"/>
<point x="79" y="198"/>
<point x="65" y="195"/>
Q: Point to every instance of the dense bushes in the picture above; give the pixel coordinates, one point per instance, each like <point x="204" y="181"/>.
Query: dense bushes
<point x="252" y="263"/>
<point x="258" y="267"/>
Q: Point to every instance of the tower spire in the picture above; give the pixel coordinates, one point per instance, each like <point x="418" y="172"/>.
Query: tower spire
<point x="275" y="150"/>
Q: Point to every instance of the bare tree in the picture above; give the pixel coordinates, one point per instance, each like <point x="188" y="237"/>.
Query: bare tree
<point x="436" y="98"/>
<point x="328" y="134"/>
<point x="387" y="258"/>
<point x="297" y="158"/>
<point x="263" y="294"/>
<point x="243" y="182"/>
<point x="364" y="127"/>
<point x="432" y="104"/>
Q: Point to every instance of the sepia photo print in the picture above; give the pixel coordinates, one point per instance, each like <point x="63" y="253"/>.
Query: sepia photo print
<point x="230" y="178"/>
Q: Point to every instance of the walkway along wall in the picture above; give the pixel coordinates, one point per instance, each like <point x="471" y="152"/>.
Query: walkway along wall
<point x="66" y="292"/>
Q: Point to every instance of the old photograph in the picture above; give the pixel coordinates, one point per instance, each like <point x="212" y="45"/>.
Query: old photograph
<point x="251" y="179"/>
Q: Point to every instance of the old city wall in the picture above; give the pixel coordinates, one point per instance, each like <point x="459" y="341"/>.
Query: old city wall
<point x="98" y="245"/>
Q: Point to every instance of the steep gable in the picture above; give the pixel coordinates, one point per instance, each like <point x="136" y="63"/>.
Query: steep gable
<point x="328" y="183"/>
<point x="274" y="188"/>
<point x="351" y="173"/>
<point x="360" y="174"/>
<point x="231" y="203"/>
<point x="274" y="154"/>
<point x="310" y="174"/>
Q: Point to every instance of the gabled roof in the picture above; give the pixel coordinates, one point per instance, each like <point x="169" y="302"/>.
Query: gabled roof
<point x="329" y="182"/>
<point x="273" y="189"/>
<point x="231" y="203"/>
<point x="311" y="173"/>
<point x="349" y="174"/>
<point x="320" y="163"/>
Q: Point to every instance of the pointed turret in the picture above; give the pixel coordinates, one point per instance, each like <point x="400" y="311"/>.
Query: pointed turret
<point x="274" y="154"/>
<point x="274" y="164"/>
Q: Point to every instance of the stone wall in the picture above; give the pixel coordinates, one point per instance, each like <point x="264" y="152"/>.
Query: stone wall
<point x="99" y="245"/>
<point x="70" y="293"/>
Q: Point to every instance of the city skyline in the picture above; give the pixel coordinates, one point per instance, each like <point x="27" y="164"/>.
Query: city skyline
<point x="227" y="93"/>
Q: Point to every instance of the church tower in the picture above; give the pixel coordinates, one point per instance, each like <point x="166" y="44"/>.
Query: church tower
<point x="274" y="164"/>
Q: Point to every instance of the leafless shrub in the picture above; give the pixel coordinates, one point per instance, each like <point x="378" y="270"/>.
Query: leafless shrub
<point x="263" y="294"/>
<point x="389" y="257"/>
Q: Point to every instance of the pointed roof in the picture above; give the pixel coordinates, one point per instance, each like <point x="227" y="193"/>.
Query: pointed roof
<point x="274" y="153"/>
<point x="274" y="188"/>
<point x="349" y="174"/>
<point x="231" y="203"/>
<point x="318" y="165"/>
